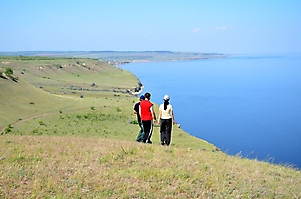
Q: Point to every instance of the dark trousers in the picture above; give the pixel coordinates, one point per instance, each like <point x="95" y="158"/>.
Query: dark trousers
<point x="165" y="131"/>
<point x="148" y="130"/>
<point x="140" y="134"/>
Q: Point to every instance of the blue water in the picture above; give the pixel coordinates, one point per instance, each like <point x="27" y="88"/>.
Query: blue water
<point x="249" y="105"/>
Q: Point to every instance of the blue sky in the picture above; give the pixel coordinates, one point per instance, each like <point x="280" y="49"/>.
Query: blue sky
<point x="212" y="26"/>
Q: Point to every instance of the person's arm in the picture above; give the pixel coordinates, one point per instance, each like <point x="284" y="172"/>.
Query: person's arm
<point x="153" y="114"/>
<point x="139" y="110"/>
<point x="173" y="117"/>
<point x="160" y="115"/>
<point x="136" y="108"/>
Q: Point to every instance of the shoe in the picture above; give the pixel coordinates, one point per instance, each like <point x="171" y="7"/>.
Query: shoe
<point x="149" y="142"/>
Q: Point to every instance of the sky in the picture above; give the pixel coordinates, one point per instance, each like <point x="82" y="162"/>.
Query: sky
<point x="209" y="26"/>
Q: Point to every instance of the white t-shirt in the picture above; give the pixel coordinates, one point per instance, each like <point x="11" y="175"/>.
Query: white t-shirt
<point x="166" y="114"/>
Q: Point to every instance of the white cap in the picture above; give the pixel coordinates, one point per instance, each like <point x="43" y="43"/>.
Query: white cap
<point x="166" y="97"/>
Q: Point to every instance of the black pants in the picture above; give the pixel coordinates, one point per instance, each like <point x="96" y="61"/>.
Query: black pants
<point x="148" y="130"/>
<point x="140" y="134"/>
<point x="165" y="131"/>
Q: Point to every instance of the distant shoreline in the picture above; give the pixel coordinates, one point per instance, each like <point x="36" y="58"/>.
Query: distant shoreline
<point x="122" y="57"/>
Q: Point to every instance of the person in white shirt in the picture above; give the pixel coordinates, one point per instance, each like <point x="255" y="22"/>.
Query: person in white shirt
<point x="166" y="119"/>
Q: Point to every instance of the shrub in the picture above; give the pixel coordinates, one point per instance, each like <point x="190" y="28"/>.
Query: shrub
<point x="7" y="129"/>
<point x="133" y="122"/>
<point x="35" y="132"/>
<point x="9" y="71"/>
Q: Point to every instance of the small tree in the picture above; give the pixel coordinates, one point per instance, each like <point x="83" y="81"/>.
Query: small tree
<point x="9" y="71"/>
<point x="7" y="129"/>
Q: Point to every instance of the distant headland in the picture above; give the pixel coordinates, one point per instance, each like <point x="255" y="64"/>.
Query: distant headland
<point x="123" y="57"/>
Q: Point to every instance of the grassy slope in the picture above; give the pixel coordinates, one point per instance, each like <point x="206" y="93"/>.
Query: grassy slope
<point x="94" y="167"/>
<point x="65" y="78"/>
<point x="94" y="153"/>
<point x="63" y="73"/>
<point x="22" y="100"/>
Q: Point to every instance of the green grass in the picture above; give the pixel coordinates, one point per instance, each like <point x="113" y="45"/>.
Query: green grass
<point x="56" y="144"/>
<point x="45" y="88"/>
<point x="95" y="167"/>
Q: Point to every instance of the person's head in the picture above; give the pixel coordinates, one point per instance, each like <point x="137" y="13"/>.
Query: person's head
<point x="166" y="98"/>
<point x="147" y="96"/>
<point x="166" y="101"/>
<point x="142" y="97"/>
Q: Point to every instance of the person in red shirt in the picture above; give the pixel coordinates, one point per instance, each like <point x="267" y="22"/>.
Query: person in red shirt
<point x="148" y="115"/>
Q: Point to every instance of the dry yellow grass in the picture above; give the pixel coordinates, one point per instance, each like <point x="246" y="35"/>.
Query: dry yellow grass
<point x="78" y="167"/>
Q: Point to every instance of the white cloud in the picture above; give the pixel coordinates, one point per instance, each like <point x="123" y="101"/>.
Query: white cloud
<point x="196" y="30"/>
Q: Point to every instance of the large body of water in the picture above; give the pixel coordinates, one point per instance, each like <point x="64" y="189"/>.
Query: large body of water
<point x="242" y="104"/>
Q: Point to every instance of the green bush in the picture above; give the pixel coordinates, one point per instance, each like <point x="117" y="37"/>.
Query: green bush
<point x="9" y="71"/>
<point x="7" y="129"/>
<point x="134" y="122"/>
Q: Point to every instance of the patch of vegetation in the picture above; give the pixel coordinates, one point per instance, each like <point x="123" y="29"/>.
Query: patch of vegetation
<point x="9" y="71"/>
<point x="7" y="130"/>
<point x="8" y="74"/>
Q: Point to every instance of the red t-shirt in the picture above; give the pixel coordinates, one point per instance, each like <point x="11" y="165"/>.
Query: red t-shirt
<point x="145" y="110"/>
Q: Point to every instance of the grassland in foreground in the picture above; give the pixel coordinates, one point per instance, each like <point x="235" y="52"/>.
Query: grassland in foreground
<point x="60" y="141"/>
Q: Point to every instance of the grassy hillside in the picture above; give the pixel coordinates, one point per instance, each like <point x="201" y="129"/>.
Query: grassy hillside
<point x="50" y="84"/>
<point x="64" y="137"/>
<point x="56" y="109"/>
<point x="95" y="167"/>
<point x="62" y="75"/>
<point x="21" y="100"/>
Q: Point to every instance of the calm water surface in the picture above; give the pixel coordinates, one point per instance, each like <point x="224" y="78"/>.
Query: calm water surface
<point x="242" y="104"/>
